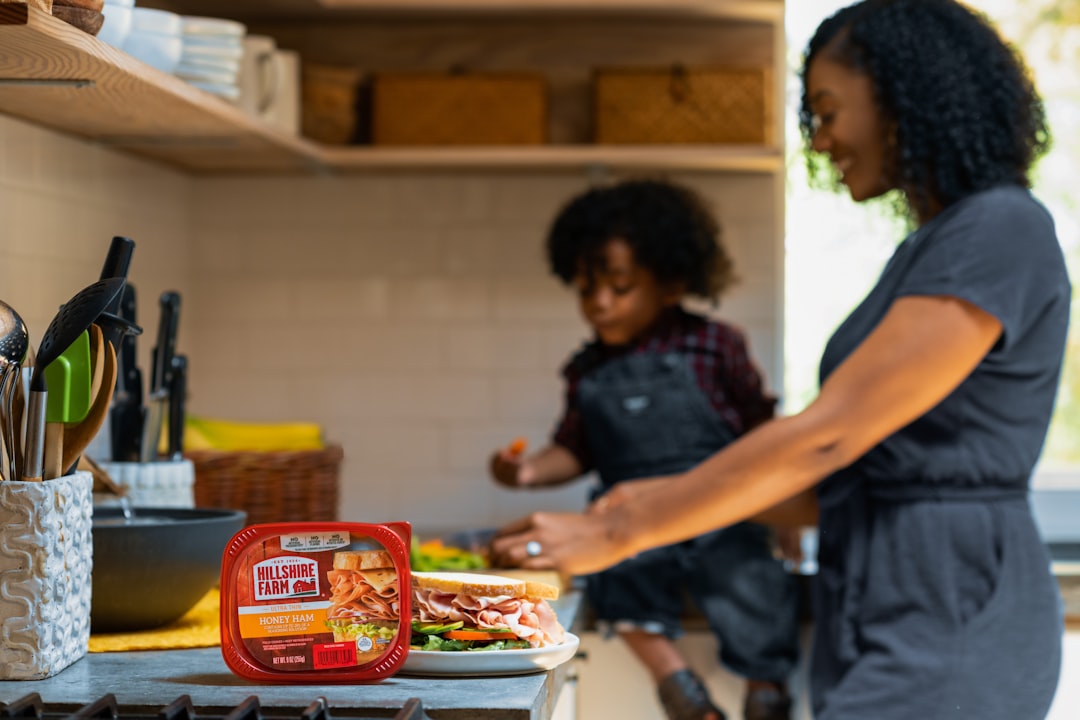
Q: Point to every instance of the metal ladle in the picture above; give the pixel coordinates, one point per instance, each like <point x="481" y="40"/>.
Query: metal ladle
<point x="14" y="342"/>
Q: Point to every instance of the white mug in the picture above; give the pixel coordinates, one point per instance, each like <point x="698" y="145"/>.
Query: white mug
<point x="258" y="81"/>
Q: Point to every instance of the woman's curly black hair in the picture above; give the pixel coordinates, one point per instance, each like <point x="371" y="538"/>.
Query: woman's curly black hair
<point x="961" y="109"/>
<point x="669" y="228"/>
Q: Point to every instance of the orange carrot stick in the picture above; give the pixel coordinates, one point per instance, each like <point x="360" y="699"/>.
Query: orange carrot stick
<point x="518" y="446"/>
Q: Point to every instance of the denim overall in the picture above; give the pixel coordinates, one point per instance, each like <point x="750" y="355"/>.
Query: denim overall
<point x="644" y="416"/>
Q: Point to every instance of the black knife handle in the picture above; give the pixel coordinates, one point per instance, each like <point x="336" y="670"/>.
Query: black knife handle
<point x="166" y="342"/>
<point x="127" y="421"/>
<point x="126" y="353"/>
<point x="118" y="260"/>
<point x="177" y="398"/>
<point x="126" y="413"/>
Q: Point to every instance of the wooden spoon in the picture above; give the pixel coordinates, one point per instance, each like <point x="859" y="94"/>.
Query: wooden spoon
<point x="77" y="437"/>
<point x="97" y="359"/>
<point x="103" y="482"/>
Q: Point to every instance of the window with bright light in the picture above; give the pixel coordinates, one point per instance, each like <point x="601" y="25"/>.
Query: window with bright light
<point x="836" y="248"/>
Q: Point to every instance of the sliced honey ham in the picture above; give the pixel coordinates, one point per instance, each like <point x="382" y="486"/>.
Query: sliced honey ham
<point x="351" y="595"/>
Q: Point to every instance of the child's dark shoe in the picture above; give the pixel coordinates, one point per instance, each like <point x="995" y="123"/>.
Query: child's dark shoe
<point x="767" y="701"/>
<point x="684" y="697"/>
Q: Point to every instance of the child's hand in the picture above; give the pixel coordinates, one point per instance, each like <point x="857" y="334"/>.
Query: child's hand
<point x="507" y="462"/>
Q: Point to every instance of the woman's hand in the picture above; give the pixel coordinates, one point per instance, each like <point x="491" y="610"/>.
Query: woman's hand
<point x="572" y="543"/>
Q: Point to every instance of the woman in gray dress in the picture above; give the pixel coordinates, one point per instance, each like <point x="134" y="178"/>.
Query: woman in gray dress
<point x="934" y="597"/>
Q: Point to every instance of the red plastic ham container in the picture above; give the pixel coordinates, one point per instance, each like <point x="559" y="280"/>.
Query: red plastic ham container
<point x="322" y="602"/>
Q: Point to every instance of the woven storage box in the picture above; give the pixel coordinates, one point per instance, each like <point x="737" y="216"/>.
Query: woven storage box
<point x="273" y="486"/>
<point x="331" y="104"/>
<point x="683" y="105"/>
<point x="458" y="109"/>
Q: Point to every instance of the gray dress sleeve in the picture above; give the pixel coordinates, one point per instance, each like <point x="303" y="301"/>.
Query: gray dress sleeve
<point x="999" y="252"/>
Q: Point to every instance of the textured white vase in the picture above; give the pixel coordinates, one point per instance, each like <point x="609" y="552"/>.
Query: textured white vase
<point x="46" y="556"/>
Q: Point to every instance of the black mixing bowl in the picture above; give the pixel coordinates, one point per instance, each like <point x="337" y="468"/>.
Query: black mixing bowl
<point x="153" y="567"/>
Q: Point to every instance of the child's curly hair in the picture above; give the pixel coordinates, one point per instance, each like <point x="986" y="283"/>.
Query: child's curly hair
<point x="961" y="109"/>
<point x="669" y="228"/>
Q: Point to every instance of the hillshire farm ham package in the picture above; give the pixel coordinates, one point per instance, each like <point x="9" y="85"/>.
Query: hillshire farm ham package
<point x="316" y="602"/>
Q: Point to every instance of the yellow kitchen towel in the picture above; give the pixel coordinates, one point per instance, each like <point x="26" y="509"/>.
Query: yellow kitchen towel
<point x="210" y="434"/>
<point x="197" y="628"/>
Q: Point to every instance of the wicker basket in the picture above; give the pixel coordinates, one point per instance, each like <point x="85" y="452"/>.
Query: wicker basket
<point x="274" y="486"/>
<point x="332" y="104"/>
<point x="459" y="109"/>
<point x="683" y="105"/>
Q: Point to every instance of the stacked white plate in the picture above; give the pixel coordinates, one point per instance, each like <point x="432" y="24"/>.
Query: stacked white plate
<point x="211" y="53"/>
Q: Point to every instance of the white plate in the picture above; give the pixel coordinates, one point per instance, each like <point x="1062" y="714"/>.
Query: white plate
<point x="204" y="74"/>
<point x="213" y="42"/>
<point x="221" y="65"/>
<point x="213" y="52"/>
<point x="490" y="662"/>
<point x="194" y="25"/>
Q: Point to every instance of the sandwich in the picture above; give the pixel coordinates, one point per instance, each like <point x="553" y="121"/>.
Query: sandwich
<point x="475" y="611"/>
<point x="364" y="601"/>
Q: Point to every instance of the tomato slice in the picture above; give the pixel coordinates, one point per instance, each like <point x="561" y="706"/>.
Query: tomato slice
<point x="479" y="635"/>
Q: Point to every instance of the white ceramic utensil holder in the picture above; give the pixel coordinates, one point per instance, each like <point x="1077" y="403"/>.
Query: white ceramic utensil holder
<point x="162" y="484"/>
<point x="46" y="556"/>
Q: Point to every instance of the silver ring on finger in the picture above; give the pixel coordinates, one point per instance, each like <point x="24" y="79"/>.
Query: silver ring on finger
<point x="533" y="548"/>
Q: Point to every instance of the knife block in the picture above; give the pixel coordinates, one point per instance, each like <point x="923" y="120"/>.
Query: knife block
<point x="164" y="484"/>
<point x="46" y="557"/>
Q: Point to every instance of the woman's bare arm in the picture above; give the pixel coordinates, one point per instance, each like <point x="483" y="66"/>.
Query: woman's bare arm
<point x="922" y="350"/>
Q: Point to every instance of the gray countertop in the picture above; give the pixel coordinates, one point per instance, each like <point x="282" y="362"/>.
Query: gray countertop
<point x="151" y="679"/>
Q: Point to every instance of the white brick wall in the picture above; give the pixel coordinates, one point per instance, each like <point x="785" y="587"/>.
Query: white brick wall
<point x="414" y="317"/>
<point x="62" y="200"/>
<point x="410" y="314"/>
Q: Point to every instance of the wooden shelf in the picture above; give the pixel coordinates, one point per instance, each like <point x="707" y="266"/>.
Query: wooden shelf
<point x="254" y="10"/>
<point x="561" y="157"/>
<point x="732" y="9"/>
<point x="57" y="76"/>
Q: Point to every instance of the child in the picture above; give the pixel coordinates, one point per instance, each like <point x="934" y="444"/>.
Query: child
<point x="656" y="391"/>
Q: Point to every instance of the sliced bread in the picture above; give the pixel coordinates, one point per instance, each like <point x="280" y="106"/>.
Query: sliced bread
<point x="484" y="585"/>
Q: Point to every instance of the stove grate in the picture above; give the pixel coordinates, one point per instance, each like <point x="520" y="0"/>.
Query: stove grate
<point x="106" y="708"/>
